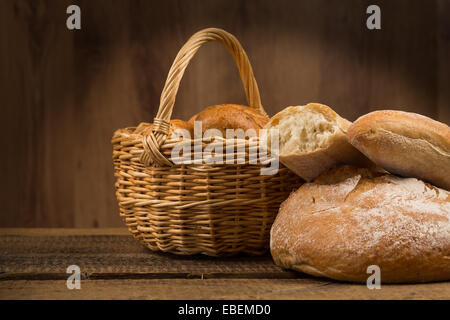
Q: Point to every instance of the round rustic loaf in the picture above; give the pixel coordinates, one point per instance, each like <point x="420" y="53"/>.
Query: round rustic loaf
<point x="230" y="116"/>
<point x="352" y="218"/>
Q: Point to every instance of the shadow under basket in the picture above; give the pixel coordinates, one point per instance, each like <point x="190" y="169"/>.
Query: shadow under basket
<point x="197" y="208"/>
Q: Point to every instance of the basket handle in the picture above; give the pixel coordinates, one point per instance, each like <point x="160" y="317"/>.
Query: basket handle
<point x="161" y="122"/>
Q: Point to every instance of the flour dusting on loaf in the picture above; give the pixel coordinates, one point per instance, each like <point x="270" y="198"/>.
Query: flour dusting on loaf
<point x="410" y="210"/>
<point x="342" y="223"/>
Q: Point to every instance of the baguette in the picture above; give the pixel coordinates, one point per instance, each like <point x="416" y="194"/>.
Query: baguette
<point x="406" y="144"/>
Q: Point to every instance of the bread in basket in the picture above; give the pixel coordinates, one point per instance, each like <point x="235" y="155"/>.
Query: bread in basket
<point x="197" y="207"/>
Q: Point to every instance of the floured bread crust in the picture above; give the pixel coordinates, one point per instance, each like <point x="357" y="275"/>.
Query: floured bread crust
<point x="312" y="139"/>
<point x="350" y="218"/>
<point x="405" y="143"/>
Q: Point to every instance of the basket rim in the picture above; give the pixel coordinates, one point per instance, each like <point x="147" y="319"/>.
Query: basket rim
<point x="241" y="148"/>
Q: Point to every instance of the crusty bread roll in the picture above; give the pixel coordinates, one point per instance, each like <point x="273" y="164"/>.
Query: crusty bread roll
<point x="145" y="128"/>
<point x="351" y="218"/>
<point x="312" y="139"/>
<point x="405" y="143"/>
<point x="230" y="116"/>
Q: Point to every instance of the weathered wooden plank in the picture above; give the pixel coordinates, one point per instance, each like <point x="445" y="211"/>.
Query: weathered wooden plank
<point x="36" y="63"/>
<point x="33" y="265"/>
<point x="443" y="54"/>
<point x="294" y="289"/>
<point x="63" y="231"/>
<point x="153" y="275"/>
<point x="53" y="250"/>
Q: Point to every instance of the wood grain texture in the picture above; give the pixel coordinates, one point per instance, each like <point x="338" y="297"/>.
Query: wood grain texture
<point x="65" y="92"/>
<point x="162" y="289"/>
<point x="443" y="47"/>
<point x="115" y="266"/>
<point x="44" y="251"/>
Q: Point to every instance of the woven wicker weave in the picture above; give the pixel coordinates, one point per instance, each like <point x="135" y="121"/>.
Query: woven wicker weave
<point x="212" y="209"/>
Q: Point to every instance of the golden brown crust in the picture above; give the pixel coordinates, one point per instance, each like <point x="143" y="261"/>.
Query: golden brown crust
<point x="230" y="116"/>
<point x="145" y="128"/>
<point x="405" y="143"/>
<point x="180" y="124"/>
<point x="311" y="164"/>
<point x="341" y="173"/>
<point x="361" y="218"/>
<point x="411" y="125"/>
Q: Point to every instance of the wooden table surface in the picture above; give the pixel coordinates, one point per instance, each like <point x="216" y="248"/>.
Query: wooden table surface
<point x="33" y="264"/>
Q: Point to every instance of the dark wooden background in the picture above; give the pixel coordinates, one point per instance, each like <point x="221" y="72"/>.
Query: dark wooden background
<point x="63" y="93"/>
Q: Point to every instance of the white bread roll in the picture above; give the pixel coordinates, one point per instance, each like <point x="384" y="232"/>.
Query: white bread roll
<point x="351" y="218"/>
<point x="312" y="139"/>
<point x="405" y="143"/>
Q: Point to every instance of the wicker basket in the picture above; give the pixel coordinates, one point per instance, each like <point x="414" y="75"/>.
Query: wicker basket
<point x="212" y="209"/>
